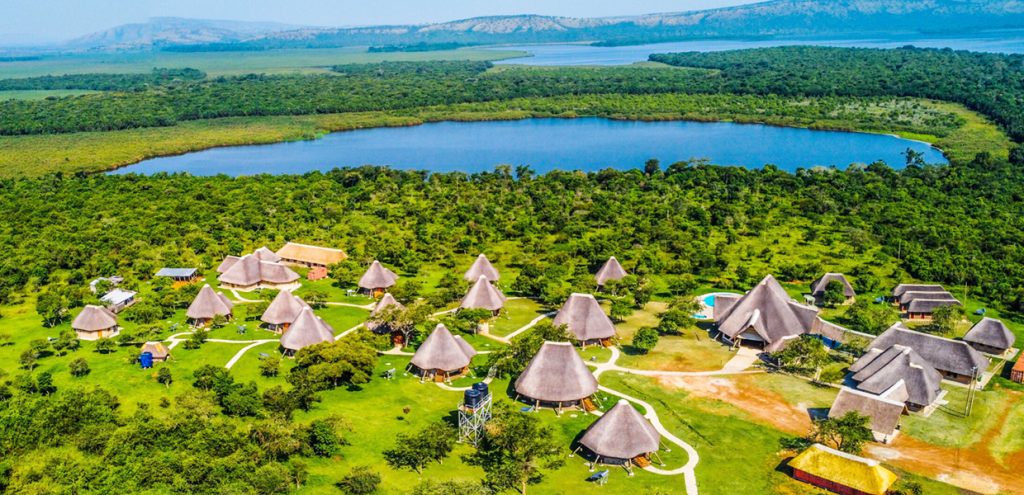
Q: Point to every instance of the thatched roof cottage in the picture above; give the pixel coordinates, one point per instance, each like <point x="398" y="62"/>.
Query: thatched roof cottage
<point x="819" y="286"/>
<point x="207" y="305"/>
<point x="885" y="412"/>
<point x="483" y="295"/>
<point x="482" y="267"/>
<point x="283" y="310"/>
<point x="157" y="349"/>
<point x="611" y="270"/>
<point x="94" y="323"/>
<point x="990" y="336"/>
<point x="377" y="279"/>
<point x="585" y="319"/>
<point x="840" y="472"/>
<point x="621" y="435"/>
<point x="955" y="359"/>
<point x="443" y="355"/>
<point x="556" y="376"/>
<point x="898" y="373"/>
<point x="308" y="329"/>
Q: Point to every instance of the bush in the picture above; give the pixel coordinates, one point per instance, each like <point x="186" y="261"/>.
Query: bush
<point x="361" y="481"/>
<point x="78" y="367"/>
<point x="645" y="339"/>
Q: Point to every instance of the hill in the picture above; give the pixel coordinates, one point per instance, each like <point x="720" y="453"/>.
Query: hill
<point x="163" y="31"/>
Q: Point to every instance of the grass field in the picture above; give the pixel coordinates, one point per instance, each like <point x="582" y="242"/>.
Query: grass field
<point x="233" y="63"/>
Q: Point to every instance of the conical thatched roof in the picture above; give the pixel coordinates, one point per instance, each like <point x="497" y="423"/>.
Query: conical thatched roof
<point x="228" y="262"/>
<point x="621" y="433"/>
<point x="94" y="318"/>
<point x="284" y="309"/>
<point x="611" y="270"/>
<point x="768" y="312"/>
<point x="483" y="295"/>
<point x="377" y="277"/>
<point x="307" y="330"/>
<point x="482" y="267"/>
<point x="264" y="254"/>
<point x="208" y="304"/>
<point x="443" y="351"/>
<point x="818" y="286"/>
<point x="556" y="374"/>
<point x="386" y="301"/>
<point x="583" y="315"/>
<point x="250" y="270"/>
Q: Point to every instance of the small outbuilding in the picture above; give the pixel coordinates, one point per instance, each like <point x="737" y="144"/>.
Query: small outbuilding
<point x="885" y="413"/>
<point x="610" y="271"/>
<point x="482" y="267"/>
<point x="1017" y="373"/>
<point x="585" y="319"/>
<point x="990" y="336"/>
<point x="387" y="303"/>
<point x="94" y="323"/>
<point x="181" y="275"/>
<point x="621" y="437"/>
<point x="442" y="355"/>
<point x="208" y="305"/>
<point x="840" y="472"/>
<point x="557" y="377"/>
<point x="119" y="299"/>
<point x="308" y="329"/>
<point x="294" y="253"/>
<point x="819" y="286"/>
<point x="283" y="311"/>
<point x="157" y="349"/>
<point x="377" y="279"/>
<point x="483" y="295"/>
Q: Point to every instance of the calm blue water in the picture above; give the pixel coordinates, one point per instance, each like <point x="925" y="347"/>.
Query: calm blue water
<point x="568" y="54"/>
<point x="586" y="144"/>
<point x="709" y="300"/>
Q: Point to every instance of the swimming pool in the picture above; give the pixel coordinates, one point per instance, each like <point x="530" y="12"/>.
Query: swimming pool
<point x="709" y="300"/>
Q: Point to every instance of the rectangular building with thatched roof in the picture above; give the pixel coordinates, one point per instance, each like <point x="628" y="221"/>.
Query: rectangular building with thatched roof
<point x="954" y="359"/>
<point x="293" y="253"/>
<point x="990" y="336"/>
<point x="156" y="349"/>
<point x="885" y="413"/>
<point x="840" y="472"/>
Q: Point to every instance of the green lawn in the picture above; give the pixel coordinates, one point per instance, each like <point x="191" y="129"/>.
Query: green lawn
<point x="947" y="426"/>
<point x="518" y="313"/>
<point x="692" y="351"/>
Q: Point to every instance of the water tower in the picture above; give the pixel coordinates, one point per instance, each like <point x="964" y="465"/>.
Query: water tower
<point x="474" y="413"/>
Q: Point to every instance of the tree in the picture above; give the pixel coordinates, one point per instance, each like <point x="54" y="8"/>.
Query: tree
<point x="163" y="376"/>
<point x="44" y="384"/>
<point x="945" y="319"/>
<point x="66" y="342"/>
<point x="652" y="167"/>
<point x="52" y="306"/>
<point x="682" y="285"/>
<point x="645" y="339"/>
<point x="515" y="450"/>
<point x="835" y="294"/>
<point x="196" y="339"/>
<point x="270" y="366"/>
<point x="621" y="309"/>
<point x="28" y="359"/>
<point x="362" y="480"/>
<point x="78" y="367"/>
<point x="415" y="451"/>
<point x="847" y="433"/>
<point x="863" y="316"/>
<point x="322" y="437"/>
<point x="331" y="364"/>
<point x="105" y="346"/>
<point x="218" y="322"/>
<point x="803" y="355"/>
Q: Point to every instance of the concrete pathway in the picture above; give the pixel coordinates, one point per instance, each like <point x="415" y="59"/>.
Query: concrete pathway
<point x="745" y="357"/>
<point x="368" y="307"/>
<point x="242" y="299"/>
<point x="346" y="332"/>
<point x="245" y="349"/>
<point x="533" y="323"/>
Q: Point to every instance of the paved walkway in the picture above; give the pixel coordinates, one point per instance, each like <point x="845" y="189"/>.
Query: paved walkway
<point x="245" y="349"/>
<point x="508" y="338"/>
<point x="368" y="307"/>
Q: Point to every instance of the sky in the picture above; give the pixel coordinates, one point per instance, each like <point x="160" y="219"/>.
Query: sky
<point x="34" y="21"/>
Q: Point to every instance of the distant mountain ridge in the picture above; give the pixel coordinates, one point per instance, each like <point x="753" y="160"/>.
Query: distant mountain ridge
<point x="793" y="18"/>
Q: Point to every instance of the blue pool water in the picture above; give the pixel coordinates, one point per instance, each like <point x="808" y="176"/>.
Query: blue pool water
<point x="587" y="144"/>
<point x="709" y="301"/>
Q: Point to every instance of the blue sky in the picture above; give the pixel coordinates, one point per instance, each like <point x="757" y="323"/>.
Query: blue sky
<point x="31" y="21"/>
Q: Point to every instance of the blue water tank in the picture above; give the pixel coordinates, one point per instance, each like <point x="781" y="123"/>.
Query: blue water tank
<point x="146" y="360"/>
<point x="483" y="389"/>
<point x="472" y="398"/>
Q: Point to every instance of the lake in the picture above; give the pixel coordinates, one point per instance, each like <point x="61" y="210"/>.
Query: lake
<point x="579" y="54"/>
<point x="586" y="144"/>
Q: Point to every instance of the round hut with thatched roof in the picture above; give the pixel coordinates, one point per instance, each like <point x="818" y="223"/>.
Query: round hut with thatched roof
<point x="483" y="295"/>
<point x="482" y="267"/>
<point x="443" y="355"/>
<point x="94" y="323"/>
<point x="375" y="324"/>
<point x="282" y="311"/>
<point x="611" y="270"/>
<point x="377" y="279"/>
<point x="557" y="377"/>
<point x="621" y="437"/>
<point x="208" y="305"/>
<point x="585" y="319"/>
<point x="308" y="329"/>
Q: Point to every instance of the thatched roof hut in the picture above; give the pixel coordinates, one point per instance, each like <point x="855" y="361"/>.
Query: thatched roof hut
<point x="954" y="358"/>
<point x="386" y="301"/>
<point x="377" y="277"/>
<point x="585" y="319"/>
<point x="227" y="263"/>
<point x="94" y="318"/>
<point x="443" y="353"/>
<point x="283" y="310"/>
<point x="990" y="335"/>
<point x="622" y="433"/>
<point x="556" y="375"/>
<point x="611" y="270"/>
<point x="827" y="467"/>
<point x="308" y="329"/>
<point x="900" y="289"/>
<point x="306" y="255"/>
<point x="819" y="286"/>
<point x="157" y="349"/>
<point x="250" y="271"/>
<point x="885" y="413"/>
<point x="209" y="304"/>
<point x="265" y="254"/>
<point x="482" y="267"/>
<point x="483" y="295"/>
<point x="898" y="367"/>
<point x="766" y="315"/>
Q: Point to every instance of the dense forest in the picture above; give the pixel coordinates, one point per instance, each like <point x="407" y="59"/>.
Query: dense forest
<point x="989" y="83"/>
<point x="958" y="224"/>
<point x="103" y="82"/>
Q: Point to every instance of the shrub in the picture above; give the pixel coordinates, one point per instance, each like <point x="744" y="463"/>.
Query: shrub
<point x="361" y="481"/>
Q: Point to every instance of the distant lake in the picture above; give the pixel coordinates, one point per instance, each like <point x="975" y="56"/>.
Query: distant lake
<point x="577" y="54"/>
<point x="586" y="144"/>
